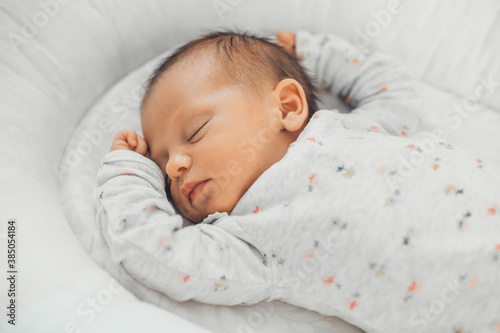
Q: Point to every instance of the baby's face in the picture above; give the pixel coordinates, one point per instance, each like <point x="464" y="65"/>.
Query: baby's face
<point x="199" y="130"/>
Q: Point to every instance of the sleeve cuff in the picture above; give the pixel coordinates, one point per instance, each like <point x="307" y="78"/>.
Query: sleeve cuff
<point x="306" y="49"/>
<point x="129" y="155"/>
<point x="304" y="44"/>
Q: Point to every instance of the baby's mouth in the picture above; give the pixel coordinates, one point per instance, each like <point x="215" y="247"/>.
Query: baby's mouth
<point x="196" y="191"/>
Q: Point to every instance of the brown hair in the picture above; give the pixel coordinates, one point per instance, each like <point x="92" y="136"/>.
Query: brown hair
<point x="243" y="59"/>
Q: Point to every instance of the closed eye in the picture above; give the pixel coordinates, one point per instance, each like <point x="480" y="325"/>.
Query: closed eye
<point x="192" y="136"/>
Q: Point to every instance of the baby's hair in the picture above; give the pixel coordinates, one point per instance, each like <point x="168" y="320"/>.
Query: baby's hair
<point x="244" y="59"/>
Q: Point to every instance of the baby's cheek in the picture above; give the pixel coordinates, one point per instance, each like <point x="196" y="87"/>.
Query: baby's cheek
<point x="176" y="200"/>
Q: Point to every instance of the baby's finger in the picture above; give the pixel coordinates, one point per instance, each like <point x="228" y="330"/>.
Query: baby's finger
<point x="142" y="146"/>
<point x="132" y="138"/>
<point x="121" y="136"/>
<point x="285" y="37"/>
<point x="121" y="141"/>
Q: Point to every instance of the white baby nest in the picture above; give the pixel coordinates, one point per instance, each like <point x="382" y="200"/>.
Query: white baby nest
<point x="71" y="75"/>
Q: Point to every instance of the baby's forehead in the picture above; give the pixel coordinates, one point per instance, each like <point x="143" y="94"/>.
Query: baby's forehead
<point x="177" y="113"/>
<point x="208" y="68"/>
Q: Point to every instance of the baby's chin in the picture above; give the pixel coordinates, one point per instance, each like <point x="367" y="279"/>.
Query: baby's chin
<point x="197" y="216"/>
<point x="211" y="200"/>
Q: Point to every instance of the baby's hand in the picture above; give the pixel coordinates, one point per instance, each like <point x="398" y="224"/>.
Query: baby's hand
<point x="286" y="39"/>
<point x="128" y="139"/>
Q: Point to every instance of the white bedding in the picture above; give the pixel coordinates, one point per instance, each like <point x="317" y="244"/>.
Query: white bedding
<point x="74" y="72"/>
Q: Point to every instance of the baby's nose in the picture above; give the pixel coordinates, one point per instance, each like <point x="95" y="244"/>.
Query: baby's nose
<point x="176" y="164"/>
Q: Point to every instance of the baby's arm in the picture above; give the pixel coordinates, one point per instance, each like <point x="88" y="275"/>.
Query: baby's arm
<point x="204" y="262"/>
<point x="376" y="85"/>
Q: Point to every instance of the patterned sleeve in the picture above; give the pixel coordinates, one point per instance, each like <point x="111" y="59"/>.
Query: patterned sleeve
<point x="203" y="262"/>
<point x="375" y="84"/>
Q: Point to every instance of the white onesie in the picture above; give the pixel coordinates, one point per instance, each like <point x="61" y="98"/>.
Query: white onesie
<point x="364" y="219"/>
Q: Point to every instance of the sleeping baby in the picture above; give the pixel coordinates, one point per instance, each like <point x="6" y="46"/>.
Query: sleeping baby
<point x="356" y="215"/>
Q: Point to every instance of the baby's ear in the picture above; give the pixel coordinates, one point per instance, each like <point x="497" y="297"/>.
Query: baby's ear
<point x="292" y="104"/>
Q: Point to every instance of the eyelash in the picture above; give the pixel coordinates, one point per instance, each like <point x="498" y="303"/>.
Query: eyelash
<point x="192" y="136"/>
